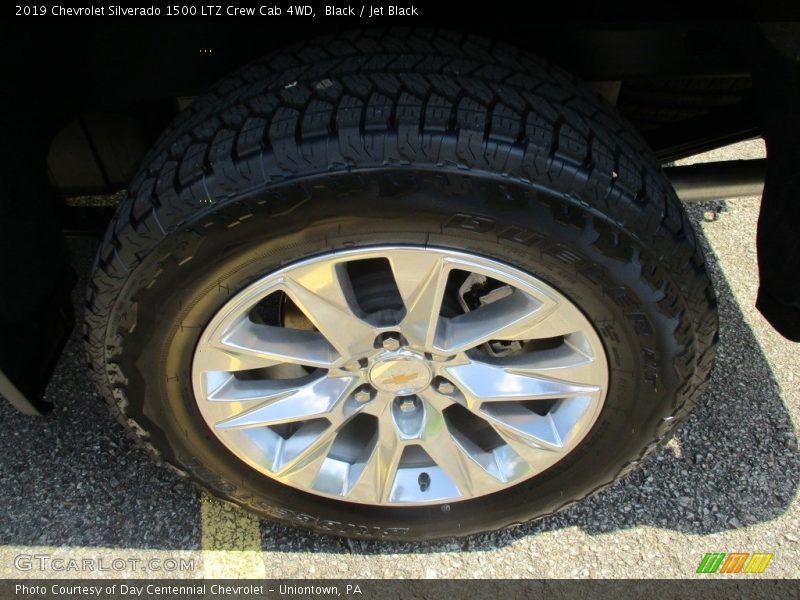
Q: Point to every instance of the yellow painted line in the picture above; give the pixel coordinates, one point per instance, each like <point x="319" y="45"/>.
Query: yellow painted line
<point x="231" y="541"/>
<point x="758" y="562"/>
<point x="752" y="563"/>
<point x="765" y="562"/>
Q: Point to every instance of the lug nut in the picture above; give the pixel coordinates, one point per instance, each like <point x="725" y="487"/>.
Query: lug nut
<point x="445" y="387"/>
<point x="353" y="365"/>
<point x="363" y="395"/>
<point x="408" y="405"/>
<point x="390" y="343"/>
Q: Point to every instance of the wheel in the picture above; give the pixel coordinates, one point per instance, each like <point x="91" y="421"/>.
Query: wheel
<point x="401" y="285"/>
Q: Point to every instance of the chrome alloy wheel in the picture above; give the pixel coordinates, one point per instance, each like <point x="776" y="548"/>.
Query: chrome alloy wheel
<point x="400" y="375"/>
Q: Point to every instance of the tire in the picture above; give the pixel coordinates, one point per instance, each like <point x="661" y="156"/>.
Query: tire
<point x="431" y="139"/>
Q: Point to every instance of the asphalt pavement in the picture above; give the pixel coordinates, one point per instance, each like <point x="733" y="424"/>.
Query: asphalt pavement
<point x="73" y="485"/>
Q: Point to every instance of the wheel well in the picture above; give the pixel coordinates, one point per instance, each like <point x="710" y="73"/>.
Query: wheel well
<point x="686" y="88"/>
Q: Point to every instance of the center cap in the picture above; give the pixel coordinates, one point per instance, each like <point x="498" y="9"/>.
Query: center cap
<point x="401" y="375"/>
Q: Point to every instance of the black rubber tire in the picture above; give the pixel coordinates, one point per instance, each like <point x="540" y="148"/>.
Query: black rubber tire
<point x="394" y="137"/>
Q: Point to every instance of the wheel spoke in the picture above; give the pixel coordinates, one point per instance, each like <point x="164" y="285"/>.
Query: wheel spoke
<point x="313" y="400"/>
<point x="472" y="470"/>
<point x="249" y="345"/>
<point x="435" y="400"/>
<point x="210" y="358"/>
<point x="527" y="432"/>
<point x="523" y="453"/>
<point x="376" y="478"/>
<point x="566" y="363"/>
<point x="552" y="432"/>
<point x="507" y="318"/>
<point x="421" y="279"/>
<point x="302" y="457"/>
<point x="553" y="319"/>
<point x="250" y="390"/>
<point x="482" y="382"/>
<point x="319" y="292"/>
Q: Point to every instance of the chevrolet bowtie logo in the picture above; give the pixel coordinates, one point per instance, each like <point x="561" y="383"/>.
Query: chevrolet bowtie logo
<point x="399" y="379"/>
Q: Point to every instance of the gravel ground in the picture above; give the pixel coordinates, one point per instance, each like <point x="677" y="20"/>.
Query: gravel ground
<point x="74" y="486"/>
